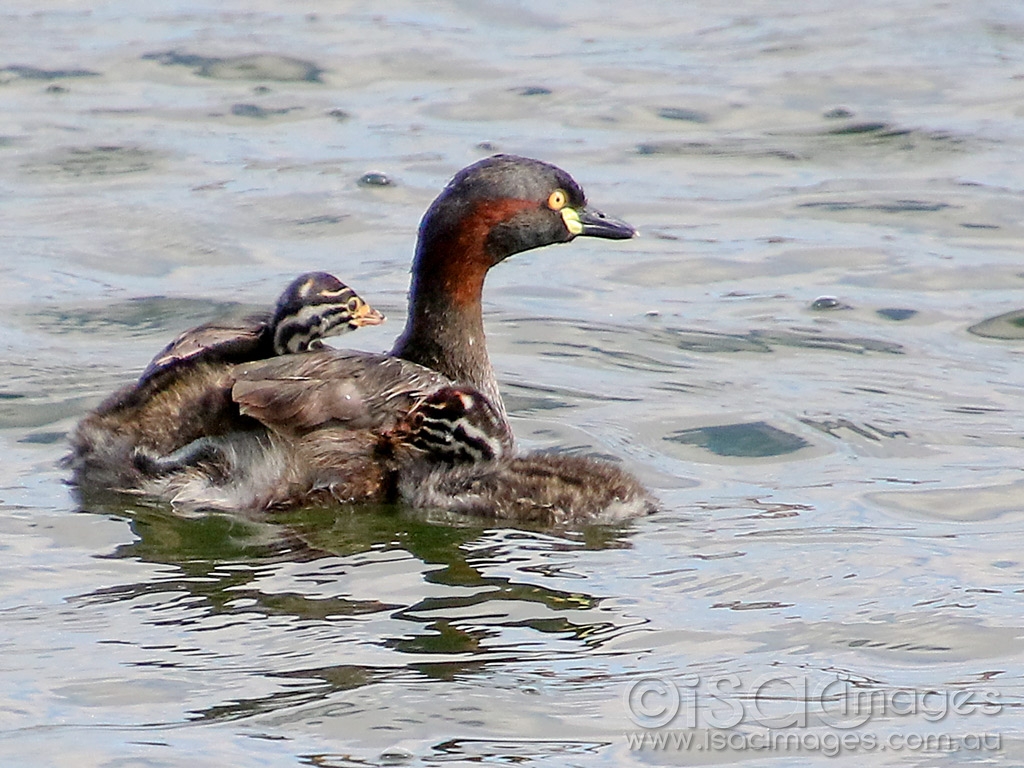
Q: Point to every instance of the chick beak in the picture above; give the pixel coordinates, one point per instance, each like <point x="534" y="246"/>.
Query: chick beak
<point x="366" y="315"/>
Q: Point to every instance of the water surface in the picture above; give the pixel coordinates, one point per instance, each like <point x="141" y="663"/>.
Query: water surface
<point x="812" y="355"/>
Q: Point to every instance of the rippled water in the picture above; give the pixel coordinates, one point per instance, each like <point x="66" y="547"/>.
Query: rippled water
<point x="813" y="354"/>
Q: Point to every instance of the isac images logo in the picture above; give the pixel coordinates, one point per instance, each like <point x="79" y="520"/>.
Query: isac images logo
<point x="830" y="716"/>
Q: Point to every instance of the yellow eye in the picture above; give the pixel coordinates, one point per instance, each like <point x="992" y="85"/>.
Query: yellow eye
<point x="557" y="200"/>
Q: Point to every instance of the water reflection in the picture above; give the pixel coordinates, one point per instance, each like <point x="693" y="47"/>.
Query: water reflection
<point x="403" y="594"/>
<point x="754" y="439"/>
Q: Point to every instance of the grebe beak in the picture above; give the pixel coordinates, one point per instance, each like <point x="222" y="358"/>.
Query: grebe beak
<point x="588" y="222"/>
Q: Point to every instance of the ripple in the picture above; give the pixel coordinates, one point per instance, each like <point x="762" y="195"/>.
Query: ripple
<point x="532" y="90"/>
<point x="257" y="66"/>
<point x="896" y="206"/>
<point x="17" y="71"/>
<point x="857" y="140"/>
<point x="966" y="504"/>
<point x="828" y="304"/>
<point x="139" y="316"/>
<point x="258" y="112"/>
<point x="96" y="161"/>
<point x="375" y="179"/>
<point x="685" y="114"/>
<point x="766" y="341"/>
<point x="607" y="341"/>
<point x="1008" y="326"/>
<point x="897" y="314"/>
<point x="835" y="428"/>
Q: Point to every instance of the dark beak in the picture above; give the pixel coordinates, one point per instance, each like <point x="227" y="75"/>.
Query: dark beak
<point x="596" y="224"/>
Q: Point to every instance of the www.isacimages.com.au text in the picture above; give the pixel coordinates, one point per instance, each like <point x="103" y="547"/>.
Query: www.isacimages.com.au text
<point x="827" y="743"/>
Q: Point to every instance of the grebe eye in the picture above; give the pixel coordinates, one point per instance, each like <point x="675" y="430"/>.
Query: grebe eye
<point x="557" y="200"/>
<point x="353" y="305"/>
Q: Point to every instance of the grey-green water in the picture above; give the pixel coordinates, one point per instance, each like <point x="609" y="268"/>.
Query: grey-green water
<point x="813" y="354"/>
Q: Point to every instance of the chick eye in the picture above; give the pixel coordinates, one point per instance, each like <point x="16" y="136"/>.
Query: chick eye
<point x="557" y="200"/>
<point x="353" y="305"/>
